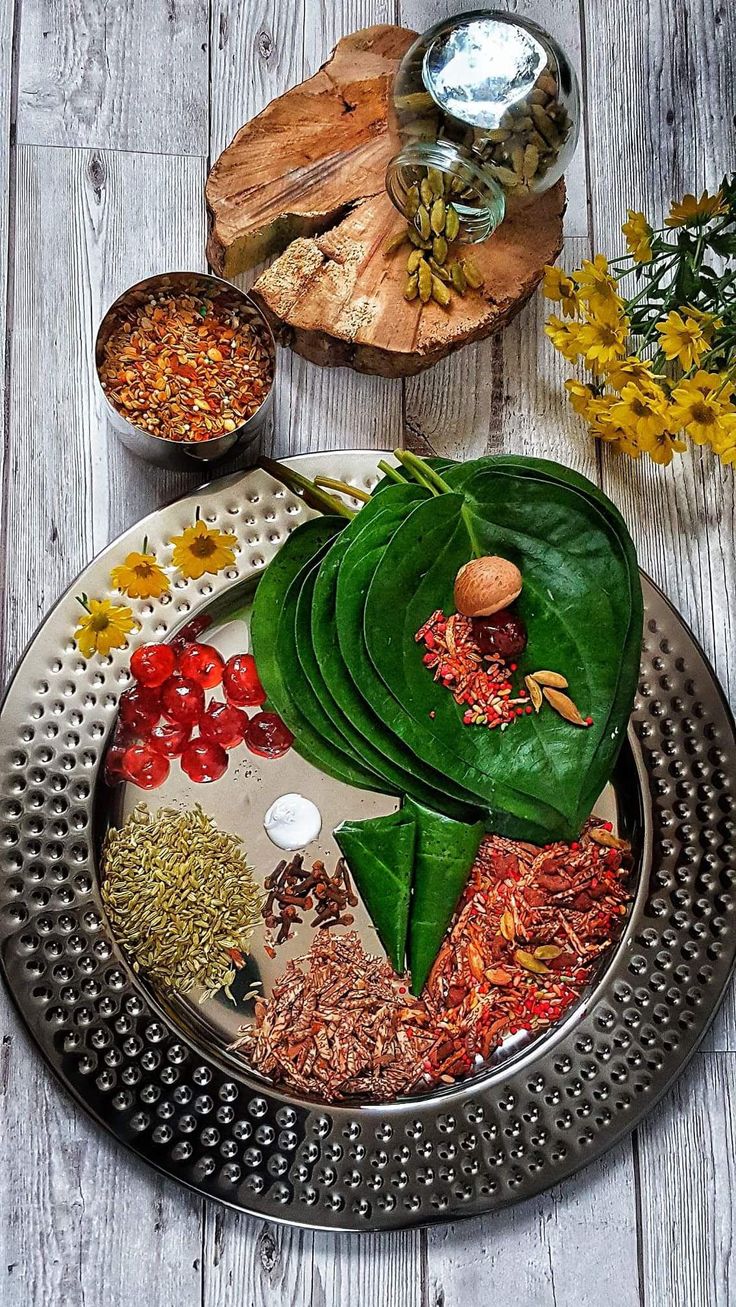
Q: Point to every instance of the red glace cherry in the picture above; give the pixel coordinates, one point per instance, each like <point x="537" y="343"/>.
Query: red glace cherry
<point x="153" y="664"/>
<point x="267" y="735"/>
<point x="191" y="631"/>
<point x="144" y="766"/>
<point x="502" y="633"/>
<point x="242" y="683"/>
<point x="114" y="768"/>
<point x="223" y="724"/>
<point x="170" y="738"/>
<point x="182" y="700"/>
<point x="140" y="709"/>
<point x="203" y="761"/>
<point x="201" y="663"/>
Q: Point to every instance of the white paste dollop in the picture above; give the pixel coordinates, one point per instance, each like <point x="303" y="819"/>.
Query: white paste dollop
<point x="292" y="822"/>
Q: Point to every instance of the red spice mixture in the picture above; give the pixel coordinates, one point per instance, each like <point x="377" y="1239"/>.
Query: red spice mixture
<point x="186" y="368"/>
<point x="481" y="682"/>
<point x="529" y="933"/>
<point x="530" y="930"/>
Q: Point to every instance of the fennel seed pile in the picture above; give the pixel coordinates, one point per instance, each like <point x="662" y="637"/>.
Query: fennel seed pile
<point x="180" y="896"/>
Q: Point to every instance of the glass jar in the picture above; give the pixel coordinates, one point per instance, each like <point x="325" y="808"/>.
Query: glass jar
<point x="489" y="101"/>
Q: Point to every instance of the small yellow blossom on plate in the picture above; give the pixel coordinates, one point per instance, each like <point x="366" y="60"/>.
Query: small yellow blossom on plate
<point x="638" y="235"/>
<point x="682" y="339"/>
<point x="560" y="287"/>
<point x="701" y="404"/>
<point x="105" y="626"/>
<point x="140" y="577"/>
<point x="690" y="209"/>
<point x="201" y="549"/>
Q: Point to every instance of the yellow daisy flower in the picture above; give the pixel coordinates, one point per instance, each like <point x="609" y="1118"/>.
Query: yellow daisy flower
<point x="638" y="235"/>
<point x="661" y="447"/>
<point x="691" y="210"/>
<point x="201" y="549"/>
<point x="682" y="339"/>
<point x="580" y="396"/>
<point x="602" y="425"/>
<point x="631" y="368"/>
<point x="140" y="577"/>
<point x="597" y="288"/>
<point x="601" y="342"/>
<point x="105" y="626"/>
<point x="560" y="287"/>
<point x="701" y="405"/>
<point x="708" y="322"/>
<point x="641" y="410"/>
<point x="565" y="337"/>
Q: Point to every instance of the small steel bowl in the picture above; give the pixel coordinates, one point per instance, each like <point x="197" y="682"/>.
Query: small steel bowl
<point x="159" y="449"/>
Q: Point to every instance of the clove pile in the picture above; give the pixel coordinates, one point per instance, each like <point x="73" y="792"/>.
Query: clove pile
<point x="292" y="889"/>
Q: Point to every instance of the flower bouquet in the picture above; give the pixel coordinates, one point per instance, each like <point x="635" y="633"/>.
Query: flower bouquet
<point x="662" y="351"/>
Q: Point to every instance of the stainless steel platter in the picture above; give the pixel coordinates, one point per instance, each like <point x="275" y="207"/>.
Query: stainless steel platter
<point x="159" y="1075"/>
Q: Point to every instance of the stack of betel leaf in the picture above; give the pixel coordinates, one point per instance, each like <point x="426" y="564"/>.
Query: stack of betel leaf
<point x="334" y="629"/>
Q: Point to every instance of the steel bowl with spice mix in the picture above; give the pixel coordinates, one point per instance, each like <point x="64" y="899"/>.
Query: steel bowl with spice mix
<point x="186" y="364"/>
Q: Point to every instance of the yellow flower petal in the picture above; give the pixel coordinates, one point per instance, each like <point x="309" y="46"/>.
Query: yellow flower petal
<point x="201" y="549"/>
<point x="682" y="339"/>
<point x="638" y="235"/>
<point x="105" y="626"/>
<point x="140" y="577"/>
<point x="691" y="210"/>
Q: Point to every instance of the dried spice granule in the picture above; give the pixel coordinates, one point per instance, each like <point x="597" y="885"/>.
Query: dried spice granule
<point x="185" y="367"/>
<point x="180" y="896"/>
<point x="479" y="683"/>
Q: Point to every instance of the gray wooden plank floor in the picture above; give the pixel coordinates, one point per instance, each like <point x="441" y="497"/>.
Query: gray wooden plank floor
<point x="111" y="110"/>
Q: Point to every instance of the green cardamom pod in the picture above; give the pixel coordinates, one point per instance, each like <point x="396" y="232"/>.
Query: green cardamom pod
<point x="473" y="275"/>
<point x="437" y="217"/>
<point x="422" y="222"/>
<point x="459" y="280"/>
<point x="411" y="289"/>
<point x="440" y="292"/>
<point x="452" y="223"/>
<point x="439" y="248"/>
<point x="424" y="281"/>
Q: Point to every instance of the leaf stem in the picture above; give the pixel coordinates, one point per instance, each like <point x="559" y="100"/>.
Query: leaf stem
<point x="391" y="472"/>
<point x="343" y="488"/>
<point x="417" y="467"/>
<point x="305" y="489"/>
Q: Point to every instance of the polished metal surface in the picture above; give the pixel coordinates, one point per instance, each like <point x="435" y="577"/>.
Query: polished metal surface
<point x="179" y="453"/>
<point x="165" y="1086"/>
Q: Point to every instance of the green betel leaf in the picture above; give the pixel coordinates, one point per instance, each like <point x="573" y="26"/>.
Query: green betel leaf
<point x="380" y="855"/>
<point x="276" y="670"/>
<point x="444" y="853"/>
<point x="583" y="620"/>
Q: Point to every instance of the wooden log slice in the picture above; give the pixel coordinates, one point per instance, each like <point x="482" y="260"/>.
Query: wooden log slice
<point x="306" y="180"/>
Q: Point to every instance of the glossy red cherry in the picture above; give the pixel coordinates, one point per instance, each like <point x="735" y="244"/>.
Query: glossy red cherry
<point x="191" y="631"/>
<point x="502" y="633"/>
<point x="144" y="766"/>
<point x="201" y="663"/>
<point x="223" y="724"/>
<point x="203" y="761"/>
<point x="140" y="709"/>
<point x="170" y="738"/>
<point x="182" y="700"/>
<point x="242" y="683"/>
<point x="114" y="768"/>
<point x="267" y="735"/>
<point x="153" y="664"/>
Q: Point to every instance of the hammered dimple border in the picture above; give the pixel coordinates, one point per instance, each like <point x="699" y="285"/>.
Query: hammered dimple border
<point x="471" y="1149"/>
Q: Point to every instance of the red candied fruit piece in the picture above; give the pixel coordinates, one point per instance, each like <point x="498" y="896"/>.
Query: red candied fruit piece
<point x="140" y="709"/>
<point x="114" y="768"/>
<point x="182" y="700"/>
<point x="190" y="631"/>
<point x="502" y="633"/>
<point x="204" y="761"/>
<point x="153" y="664"/>
<point x="201" y="663"/>
<point x="223" y="724"/>
<point x="242" y="683"/>
<point x="170" y="738"/>
<point x="267" y="735"/>
<point x="144" y="766"/>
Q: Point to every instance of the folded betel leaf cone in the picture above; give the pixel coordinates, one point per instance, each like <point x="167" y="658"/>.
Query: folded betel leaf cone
<point x="444" y="853"/>
<point x="380" y="855"/>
